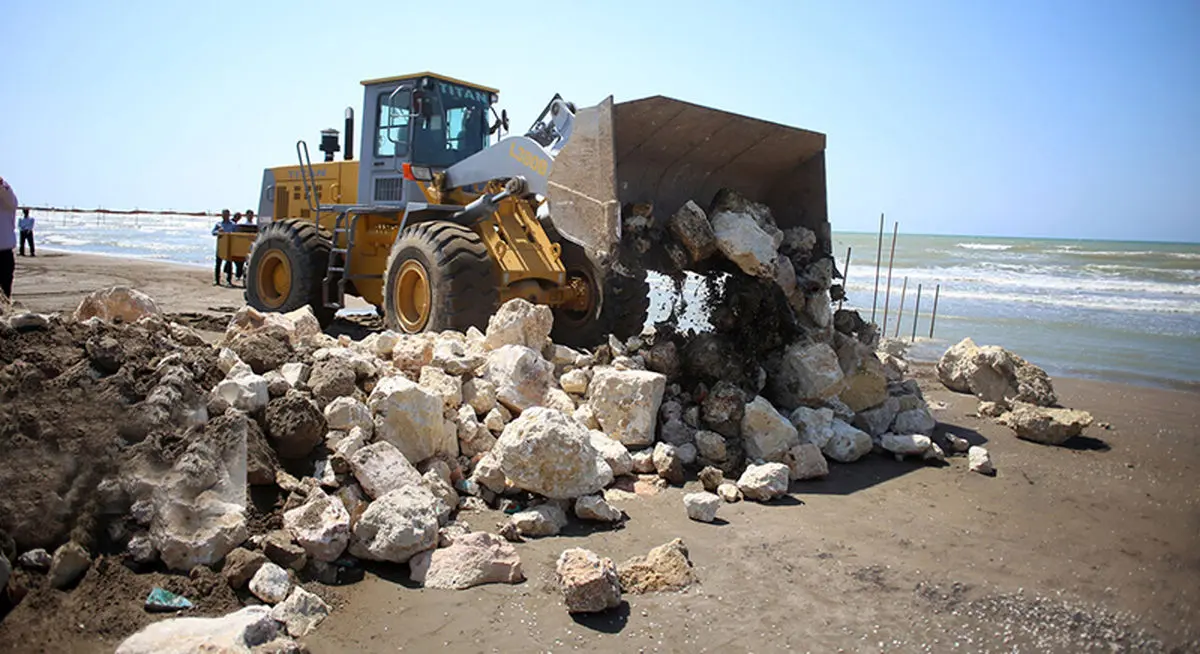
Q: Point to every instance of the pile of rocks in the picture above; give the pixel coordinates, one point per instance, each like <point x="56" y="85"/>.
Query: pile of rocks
<point x="1014" y="392"/>
<point x="378" y="449"/>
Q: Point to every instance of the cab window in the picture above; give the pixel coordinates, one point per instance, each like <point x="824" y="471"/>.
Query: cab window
<point x="391" y="117"/>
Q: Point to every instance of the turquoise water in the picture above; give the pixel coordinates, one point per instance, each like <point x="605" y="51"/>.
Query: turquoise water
<point x="1123" y="311"/>
<point x="1102" y="309"/>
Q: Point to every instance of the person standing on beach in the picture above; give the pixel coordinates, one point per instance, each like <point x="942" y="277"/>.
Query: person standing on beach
<point x="8" y="236"/>
<point x="26" y="227"/>
<point x="226" y="225"/>
<point x="238" y="266"/>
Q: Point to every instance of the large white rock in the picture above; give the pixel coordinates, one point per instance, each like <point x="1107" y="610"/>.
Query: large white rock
<point x="521" y="376"/>
<point x="764" y="482"/>
<point x="235" y="633"/>
<point x="702" y="506"/>
<point x="411" y="418"/>
<point x="746" y="244"/>
<point x="301" y="612"/>
<point x="346" y="412"/>
<point x="380" y="468"/>
<point x="804" y="373"/>
<point x="271" y="583"/>
<point x="626" y="403"/>
<point x="115" y="303"/>
<point x="766" y="434"/>
<point x="847" y="444"/>
<point x="247" y="392"/>
<point x="321" y="526"/>
<point x="1043" y="425"/>
<point x="613" y="452"/>
<point x="519" y="322"/>
<point x="994" y="374"/>
<point x="398" y="525"/>
<point x="549" y="453"/>
<point x="813" y="425"/>
<point x="806" y="461"/>
<point x="448" y="387"/>
<point x="188" y="533"/>
<point x="473" y="559"/>
<point x="906" y="444"/>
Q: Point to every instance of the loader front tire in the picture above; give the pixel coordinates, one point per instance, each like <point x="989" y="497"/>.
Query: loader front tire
<point x="439" y="277"/>
<point x="286" y="269"/>
<point x="620" y="306"/>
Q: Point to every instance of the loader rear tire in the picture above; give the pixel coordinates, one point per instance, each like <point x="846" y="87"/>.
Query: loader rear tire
<point x="286" y="269"/>
<point x="439" y="277"/>
<point x="624" y="303"/>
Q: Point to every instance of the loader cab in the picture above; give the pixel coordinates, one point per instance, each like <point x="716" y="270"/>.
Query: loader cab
<point x="427" y="121"/>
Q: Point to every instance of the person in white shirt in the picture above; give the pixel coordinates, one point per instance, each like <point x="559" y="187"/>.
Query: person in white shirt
<point x="26" y="227"/>
<point x="8" y="236"/>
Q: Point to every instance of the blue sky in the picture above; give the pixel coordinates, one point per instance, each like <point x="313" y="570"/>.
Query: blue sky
<point x="1067" y="118"/>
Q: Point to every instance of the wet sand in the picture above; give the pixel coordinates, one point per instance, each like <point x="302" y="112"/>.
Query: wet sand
<point x="1064" y="546"/>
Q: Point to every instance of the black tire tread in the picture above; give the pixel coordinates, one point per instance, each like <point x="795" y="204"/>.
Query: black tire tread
<point x="464" y="279"/>
<point x="313" y="247"/>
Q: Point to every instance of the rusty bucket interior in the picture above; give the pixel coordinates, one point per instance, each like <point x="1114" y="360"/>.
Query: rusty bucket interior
<point x="665" y="151"/>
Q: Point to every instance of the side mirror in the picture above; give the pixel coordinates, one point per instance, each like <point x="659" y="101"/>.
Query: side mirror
<point x="504" y="119"/>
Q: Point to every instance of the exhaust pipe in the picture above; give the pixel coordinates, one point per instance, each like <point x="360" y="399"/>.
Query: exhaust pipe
<point x="348" y="153"/>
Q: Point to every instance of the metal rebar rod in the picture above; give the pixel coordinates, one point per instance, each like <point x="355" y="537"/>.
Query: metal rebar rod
<point x="916" y="315"/>
<point x="888" y="295"/>
<point x="936" y="291"/>
<point x="878" y="262"/>
<point x="845" y="278"/>
<point x="900" y="313"/>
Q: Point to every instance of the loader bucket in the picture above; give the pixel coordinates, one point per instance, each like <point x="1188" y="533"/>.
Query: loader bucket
<point x="665" y="151"/>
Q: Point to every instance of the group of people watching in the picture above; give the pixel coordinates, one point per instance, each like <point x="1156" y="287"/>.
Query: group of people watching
<point x="229" y="225"/>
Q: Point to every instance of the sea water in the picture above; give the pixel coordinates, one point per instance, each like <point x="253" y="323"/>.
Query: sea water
<point x="1122" y="311"/>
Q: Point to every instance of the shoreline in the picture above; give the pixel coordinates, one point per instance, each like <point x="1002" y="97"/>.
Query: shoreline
<point x="66" y="276"/>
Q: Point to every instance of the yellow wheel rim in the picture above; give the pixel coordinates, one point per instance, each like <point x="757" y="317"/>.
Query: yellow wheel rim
<point x="274" y="281"/>
<point x="412" y="297"/>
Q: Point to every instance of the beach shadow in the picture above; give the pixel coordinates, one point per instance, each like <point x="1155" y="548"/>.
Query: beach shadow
<point x="357" y="328"/>
<point x="612" y="621"/>
<point x="847" y="478"/>
<point x="396" y="573"/>
<point x="970" y="435"/>
<point x="1086" y="444"/>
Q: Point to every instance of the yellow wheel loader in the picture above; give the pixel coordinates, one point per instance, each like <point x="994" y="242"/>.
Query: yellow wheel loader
<point x="447" y="215"/>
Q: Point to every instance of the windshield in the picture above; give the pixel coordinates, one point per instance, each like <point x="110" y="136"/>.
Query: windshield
<point x="456" y="128"/>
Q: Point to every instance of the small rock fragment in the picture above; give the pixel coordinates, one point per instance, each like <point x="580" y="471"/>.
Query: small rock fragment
<point x="764" y="482"/>
<point x="271" y="583"/>
<point x="978" y="460"/>
<point x="301" y="612"/>
<point x="69" y="563"/>
<point x="729" y="492"/>
<point x="702" y="506"/>
<point x="588" y="583"/>
<point x="593" y="507"/>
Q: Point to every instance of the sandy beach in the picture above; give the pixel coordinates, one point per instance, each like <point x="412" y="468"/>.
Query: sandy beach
<point x="1065" y="545"/>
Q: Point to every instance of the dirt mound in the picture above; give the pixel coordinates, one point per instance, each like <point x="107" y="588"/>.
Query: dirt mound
<point x="105" y="608"/>
<point x="71" y="399"/>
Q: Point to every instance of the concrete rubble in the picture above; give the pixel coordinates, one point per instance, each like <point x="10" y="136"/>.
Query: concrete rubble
<point x="377" y="448"/>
